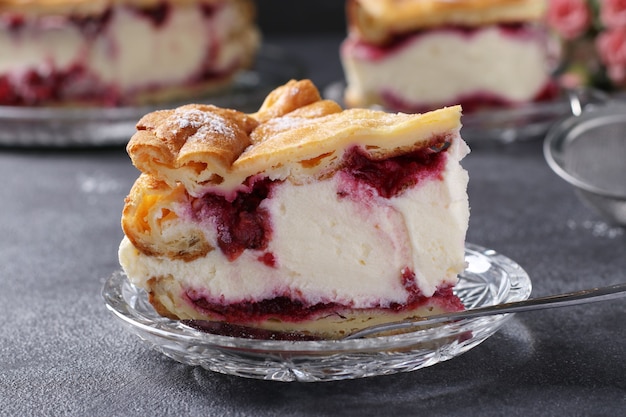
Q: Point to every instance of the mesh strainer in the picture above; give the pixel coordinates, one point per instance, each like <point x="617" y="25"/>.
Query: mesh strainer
<point x="589" y="152"/>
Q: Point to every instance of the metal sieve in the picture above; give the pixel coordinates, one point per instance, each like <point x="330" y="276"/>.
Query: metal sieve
<point x="589" y="152"/>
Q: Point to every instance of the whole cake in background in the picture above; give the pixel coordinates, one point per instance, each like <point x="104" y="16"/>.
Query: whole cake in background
<point x="127" y="52"/>
<point x="299" y="218"/>
<point x="418" y="55"/>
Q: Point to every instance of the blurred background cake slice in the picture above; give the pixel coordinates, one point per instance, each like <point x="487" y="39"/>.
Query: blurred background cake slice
<point x="126" y="52"/>
<point x="418" y="55"/>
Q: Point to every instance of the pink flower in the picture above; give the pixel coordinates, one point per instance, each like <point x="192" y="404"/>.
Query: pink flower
<point x="570" y="18"/>
<point x="613" y="13"/>
<point x="611" y="46"/>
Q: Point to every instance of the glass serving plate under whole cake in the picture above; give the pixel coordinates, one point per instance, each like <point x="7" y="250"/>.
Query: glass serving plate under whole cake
<point x="97" y="126"/>
<point x="490" y="278"/>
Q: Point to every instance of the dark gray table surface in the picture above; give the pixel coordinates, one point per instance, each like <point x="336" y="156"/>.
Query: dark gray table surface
<point x="62" y="352"/>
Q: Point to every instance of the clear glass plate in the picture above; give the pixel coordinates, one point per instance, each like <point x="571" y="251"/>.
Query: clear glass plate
<point x="63" y="127"/>
<point x="490" y="278"/>
<point x="506" y="125"/>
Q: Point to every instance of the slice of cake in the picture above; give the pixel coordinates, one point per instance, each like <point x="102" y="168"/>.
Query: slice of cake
<point x="302" y="217"/>
<point x="126" y="52"/>
<point x="419" y="55"/>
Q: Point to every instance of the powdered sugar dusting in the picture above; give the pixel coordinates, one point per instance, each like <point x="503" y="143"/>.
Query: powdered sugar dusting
<point x="288" y="123"/>
<point x="294" y="91"/>
<point x="205" y="123"/>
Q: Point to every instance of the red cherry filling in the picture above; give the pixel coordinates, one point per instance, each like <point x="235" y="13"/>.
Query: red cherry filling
<point x="374" y="52"/>
<point x="157" y="14"/>
<point x="283" y="307"/>
<point x="390" y="177"/>
<point x="288" y="309"/>
<point x="209" y="10"/>
<point x="34" y="87"/>
<point x="444" y="295"/>
<point x="94" y="25"/>
<point x="241" y="223"/>
<point x="8" y="96"/>
<point x="268" y="259"/>
<point x="12" y="21"/>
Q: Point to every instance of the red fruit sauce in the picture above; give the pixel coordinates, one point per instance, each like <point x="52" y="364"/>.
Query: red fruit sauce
<point x="374" y="52"/>
<point x="390" y="177"/>
<point x="235" y="316"/>
<point x="157" y="14"/>
<point x="241" y="223"/>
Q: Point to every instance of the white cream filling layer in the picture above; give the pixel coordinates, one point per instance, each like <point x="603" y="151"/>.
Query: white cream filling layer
<point x="135" y="52"/>
<point x="444" y="65"/>
<point x="131" y="52"/>
<point x="329" y="249"/>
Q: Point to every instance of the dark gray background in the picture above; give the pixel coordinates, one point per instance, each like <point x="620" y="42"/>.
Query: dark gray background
<point x="297" y="17"/>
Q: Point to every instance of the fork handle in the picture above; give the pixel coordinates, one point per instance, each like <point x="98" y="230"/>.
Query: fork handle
<point x="552" y="301"/>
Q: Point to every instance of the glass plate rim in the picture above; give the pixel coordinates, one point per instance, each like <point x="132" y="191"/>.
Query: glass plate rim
<point x="519" y="289"/>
